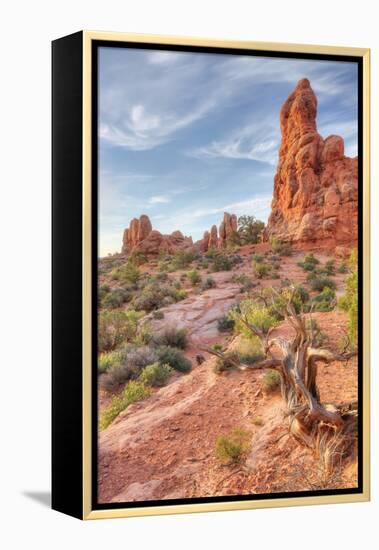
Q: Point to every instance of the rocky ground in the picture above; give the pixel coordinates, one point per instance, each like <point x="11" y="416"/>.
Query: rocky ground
<point x="164" y="447"/>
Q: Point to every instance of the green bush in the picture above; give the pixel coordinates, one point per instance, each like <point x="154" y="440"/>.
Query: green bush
<point x="194" y="277"/>
<point x="234" y="447"/>
<point x="249" y="229"/>
<point x="256" y="314"/>
<point x="208" y="283"/>
<point x="271" y="381"/>
<point x="349" y="301"/>
<point x="329" y="268"/>
<point x="343" y="268"/>
<point x="173" y="337"/>
<point x="156" y="374"/>
<point x="183" y="258"/>
<point x="321" y="282"/>
<point x="137" y="258"/>
<point x="222" y="263"/>
<point x="134" y="391"/>
<point x="116" y="298"/>
<point x="127" y="273"/>
<point x="225" y="323"/>
<point x="132" y="359"/>
<point x="173" y="357"/>
<point x="309" y="263"/>
<point x="261" y="269"/>
<point x="108" y="360"/>
<point x="325" y="301"/>
<point x="115" y="328"/>
<point x="280" y="247"/>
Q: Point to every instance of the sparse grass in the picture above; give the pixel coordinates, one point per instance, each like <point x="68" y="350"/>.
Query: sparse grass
<point x="108" y="360"/>
<point x="270" y="381"/>
<point x="156" y="375"/>
<point x="134" y="391"/>
<point x="234" y="447"/>
<point x="249" y="350"/>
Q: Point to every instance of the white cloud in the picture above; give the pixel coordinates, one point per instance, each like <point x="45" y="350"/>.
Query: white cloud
<point x="163" y="57"/>
<point x="159" y="199"/>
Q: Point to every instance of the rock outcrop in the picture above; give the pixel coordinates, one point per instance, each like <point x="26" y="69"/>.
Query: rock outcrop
<point x="227" y="228"/>
<point x="140" y="237"/>
<point x="218" y="238"/>
<point x="316" y="187"/>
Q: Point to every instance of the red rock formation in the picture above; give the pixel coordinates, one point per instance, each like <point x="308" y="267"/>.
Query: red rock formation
<point x="316" y="186"/>
<point x="213" y="237"/>
<point x="141" y="237"/>
<point x="204" y="243"/>
<point x="227" y="227"/>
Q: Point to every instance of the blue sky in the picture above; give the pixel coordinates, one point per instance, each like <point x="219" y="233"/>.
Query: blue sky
<point x="187" y="136"/>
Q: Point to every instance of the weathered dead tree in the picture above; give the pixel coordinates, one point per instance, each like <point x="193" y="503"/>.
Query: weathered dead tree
<point x="326" y="428"/>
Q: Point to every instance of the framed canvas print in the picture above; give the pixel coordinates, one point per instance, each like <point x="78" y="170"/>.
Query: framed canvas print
<point x="210" y="275"/>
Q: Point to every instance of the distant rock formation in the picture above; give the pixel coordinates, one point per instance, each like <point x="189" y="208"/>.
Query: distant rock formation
<point x="218" y="238"/>
<point x="316" y="187"/>
<point x="140" y="237"/>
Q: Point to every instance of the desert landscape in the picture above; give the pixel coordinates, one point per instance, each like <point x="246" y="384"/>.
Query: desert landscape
<point x="228" y="365"/>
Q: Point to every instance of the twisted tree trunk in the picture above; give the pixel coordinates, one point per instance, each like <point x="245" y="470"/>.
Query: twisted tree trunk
<point x="325" y="428"/>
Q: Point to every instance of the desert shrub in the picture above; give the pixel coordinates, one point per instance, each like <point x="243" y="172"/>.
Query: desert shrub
<point x="208" y="283"/>
<point x="244" y="281"/>
<point x="222" y="262"/>
<point x="343" y="268"/>
<point x="156" y="374"/>
<point x="107" y="360"/>
<point x="173" y="337"/>
<point x="234" y="447"/>
<point x="173" y="357"/>
<point x="309" y="263"/>
<point x="280" y="247"/>
<point x="180" y="294"/>
<point x="116" y="327"/>
<point x="349" y="301"/>
<point x="257" y="421"/>
<point x="211" y="253"/>
<point x="194" y="277"/>
<point x="137" y="258"/>
<point x="256" y="314"/>
<point x="225" y="323"/>
<point x="325" y="301"/>
<point x="132" y="359"/>
<point x="102" y="293"/>
<point x="127" y="273"/>
<point x="134" y="391"/>
<point x="297" y="294"/>
<point x="116" y="298"/>
<point x="183" y="258"/>
<point x="249" y="229"/>
<point x="329" y="268"/>
<point x="218" y="346"/>
<point x="270" y="381"/>
<point x="320" y="282"/>
<point x="257" y="257"/>
<point x="158" y="315"/>
<point x="233" y="240"/>
<point x="261" y="269"/>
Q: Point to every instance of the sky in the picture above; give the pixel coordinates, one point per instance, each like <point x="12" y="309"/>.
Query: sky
<point x="185" y="136"/>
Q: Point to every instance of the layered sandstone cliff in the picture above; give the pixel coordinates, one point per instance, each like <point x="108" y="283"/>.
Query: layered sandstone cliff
<point x="315" y="195"/>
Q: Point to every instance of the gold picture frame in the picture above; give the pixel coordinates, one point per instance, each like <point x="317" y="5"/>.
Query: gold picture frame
<point x="85" y="508"/>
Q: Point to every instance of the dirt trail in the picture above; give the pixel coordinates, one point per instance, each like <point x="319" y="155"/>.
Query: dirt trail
<point x="163" y="448"/>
